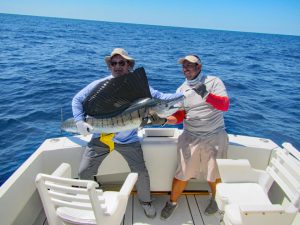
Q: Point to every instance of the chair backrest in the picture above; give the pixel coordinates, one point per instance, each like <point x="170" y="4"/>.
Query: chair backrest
<point x="65" y="192"/>
<point x="78" y="201"/>
<point x="284" y="168"/>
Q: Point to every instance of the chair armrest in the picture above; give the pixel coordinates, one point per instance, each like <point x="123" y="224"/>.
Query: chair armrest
<point x="129" y="184"/>
<point x="64" y="170"/>
<point x="237" y="171"/>
<point x="123" y="195"/>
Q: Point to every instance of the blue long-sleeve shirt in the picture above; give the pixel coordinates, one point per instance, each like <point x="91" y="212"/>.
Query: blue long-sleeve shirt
<point x="123" y="137"/>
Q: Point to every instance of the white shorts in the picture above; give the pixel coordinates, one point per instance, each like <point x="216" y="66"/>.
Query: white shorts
<point x="197" y="156"/>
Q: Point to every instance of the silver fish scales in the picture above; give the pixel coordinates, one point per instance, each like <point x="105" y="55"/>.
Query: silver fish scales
<point x="131" y="118"/>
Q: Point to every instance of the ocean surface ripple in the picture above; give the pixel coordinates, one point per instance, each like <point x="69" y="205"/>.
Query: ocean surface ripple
<point x="45" y="61"/>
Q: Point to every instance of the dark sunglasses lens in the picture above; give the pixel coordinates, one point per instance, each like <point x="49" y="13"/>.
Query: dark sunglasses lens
<point x="121" y="63"/>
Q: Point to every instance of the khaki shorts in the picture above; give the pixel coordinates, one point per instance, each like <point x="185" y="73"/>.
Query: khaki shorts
<point x="197" y="156"/>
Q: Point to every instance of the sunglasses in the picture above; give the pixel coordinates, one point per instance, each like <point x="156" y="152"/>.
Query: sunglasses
<point x="189" y="66"/>
<point x="121" y="63"/>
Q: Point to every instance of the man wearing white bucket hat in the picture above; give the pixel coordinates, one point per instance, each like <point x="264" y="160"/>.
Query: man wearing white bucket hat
<point x="204" y="137"/>
<point x="125" y="142"/>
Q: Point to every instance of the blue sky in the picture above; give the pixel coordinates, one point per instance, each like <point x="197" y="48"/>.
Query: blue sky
<point x="263" y="16"/>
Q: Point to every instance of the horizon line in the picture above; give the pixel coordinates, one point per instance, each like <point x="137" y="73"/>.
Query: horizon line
<point x="172" y="26"/>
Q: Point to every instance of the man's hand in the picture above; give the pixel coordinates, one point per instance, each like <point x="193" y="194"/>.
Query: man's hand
<point x="201" y="90"/>
<point x="156" y="120"/>
<point x="83" y="128"/>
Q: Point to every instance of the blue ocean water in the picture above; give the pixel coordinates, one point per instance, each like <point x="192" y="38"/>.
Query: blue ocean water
<point x="45" y="61"/>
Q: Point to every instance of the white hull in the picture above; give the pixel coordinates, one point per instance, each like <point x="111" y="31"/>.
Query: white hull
<point x="20" y="202"/>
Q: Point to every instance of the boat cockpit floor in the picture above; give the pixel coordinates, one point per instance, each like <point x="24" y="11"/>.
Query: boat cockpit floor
<point x="189" y="212"/>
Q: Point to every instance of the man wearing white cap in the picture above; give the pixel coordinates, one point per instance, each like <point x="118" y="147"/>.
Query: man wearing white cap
<point x="125" y="142"/>
<point x="204" y="137"/>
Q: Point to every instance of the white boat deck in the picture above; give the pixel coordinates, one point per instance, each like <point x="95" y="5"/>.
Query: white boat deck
<point x="189" y="212"/>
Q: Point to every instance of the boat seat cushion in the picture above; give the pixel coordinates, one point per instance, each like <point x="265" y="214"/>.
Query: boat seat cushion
<point x="228" y="193"/>
<point x="76" y="216"/>
<point x="87" y="217"/>
<point x="258" y="215"/>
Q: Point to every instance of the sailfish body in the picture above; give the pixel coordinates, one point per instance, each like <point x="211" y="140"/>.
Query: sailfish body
<point x="127" y="120"/>
<point x="120" y="104"/>
<point x="122" y="122"/>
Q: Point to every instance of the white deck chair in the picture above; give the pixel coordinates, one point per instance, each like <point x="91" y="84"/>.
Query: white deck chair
<point x="243" y="195"/>
<point x="71" y="201"/>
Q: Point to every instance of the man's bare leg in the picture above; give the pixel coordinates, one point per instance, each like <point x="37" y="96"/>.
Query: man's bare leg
<point x="177" y="188"/>
<point x="212" y="206"/>
<point x="213" y="186"/>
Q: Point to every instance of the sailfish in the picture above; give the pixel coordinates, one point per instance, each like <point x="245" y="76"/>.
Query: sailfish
<point x="122" y="103"/>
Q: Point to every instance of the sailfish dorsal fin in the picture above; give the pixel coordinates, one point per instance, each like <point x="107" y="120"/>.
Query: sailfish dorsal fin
<point x="111" y="97"/>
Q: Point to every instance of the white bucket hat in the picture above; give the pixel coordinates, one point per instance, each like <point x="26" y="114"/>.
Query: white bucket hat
<point x="121" y="52"/>
<point x="190" y="58"/>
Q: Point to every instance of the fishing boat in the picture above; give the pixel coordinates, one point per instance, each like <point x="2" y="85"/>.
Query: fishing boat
<point x="20" y="202"/>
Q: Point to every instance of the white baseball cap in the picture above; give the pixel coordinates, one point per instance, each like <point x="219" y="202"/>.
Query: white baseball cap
<point x="190" y="58"/>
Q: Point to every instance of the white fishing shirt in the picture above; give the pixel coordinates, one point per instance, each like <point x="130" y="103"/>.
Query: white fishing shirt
<point x="201" y="118"/>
